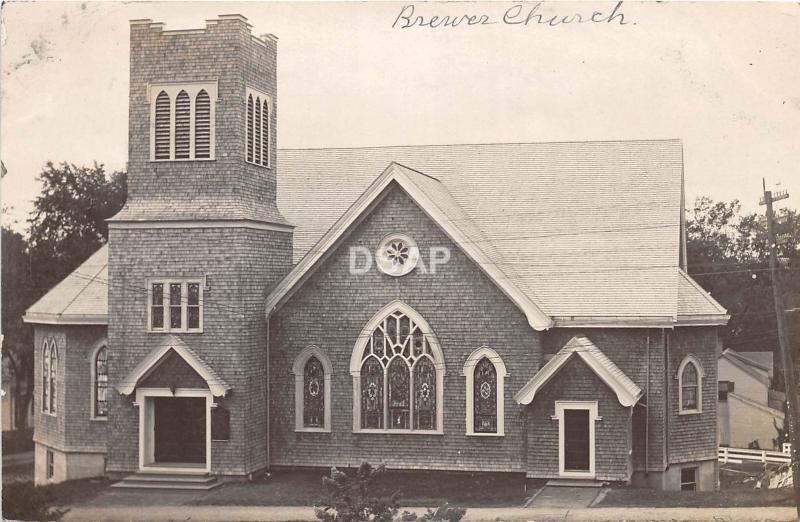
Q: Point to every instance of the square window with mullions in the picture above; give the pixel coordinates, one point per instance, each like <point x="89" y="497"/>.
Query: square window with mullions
<point x="688" y="479"/>
<point x="175" y="305"/>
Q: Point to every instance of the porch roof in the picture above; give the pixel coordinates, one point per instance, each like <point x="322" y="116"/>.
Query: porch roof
<point x="628" y="393"/>
<point x="218" y="387"/>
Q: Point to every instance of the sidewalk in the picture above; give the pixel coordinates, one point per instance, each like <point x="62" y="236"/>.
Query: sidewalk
<point x="283" y="514"/>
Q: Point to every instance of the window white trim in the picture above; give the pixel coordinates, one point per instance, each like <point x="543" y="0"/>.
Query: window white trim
<point x="185" y="282"/>
<point x="103" y="343"/>
<point x="172" y="90"/>
<point x="560" y="407"/>
<point x="298" y="369"/>
<point x="469" y="373"/>
<point x="265" y="128"/>
<point x="690" y="359"/>
<point x="356" y="360"/>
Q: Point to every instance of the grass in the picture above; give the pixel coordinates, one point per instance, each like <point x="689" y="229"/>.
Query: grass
<point x="737" y="485"/>
<point x="24" y="501"/>
<point x="417" y="488"/>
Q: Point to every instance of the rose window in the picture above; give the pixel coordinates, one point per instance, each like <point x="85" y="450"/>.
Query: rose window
<point x="397" y="255"/>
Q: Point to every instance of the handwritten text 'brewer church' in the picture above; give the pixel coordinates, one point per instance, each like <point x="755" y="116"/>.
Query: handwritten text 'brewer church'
<point x="517" y="14"/>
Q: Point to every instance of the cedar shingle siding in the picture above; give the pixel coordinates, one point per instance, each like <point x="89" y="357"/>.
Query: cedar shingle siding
<point x="219" y="220"/>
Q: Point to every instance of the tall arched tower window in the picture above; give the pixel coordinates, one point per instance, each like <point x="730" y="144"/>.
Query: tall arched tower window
<point x="182" y="121"/>
<point x="202" y="128"/>
<point x="398" y="373"/>
<point x="183" y="113"/>
<point x="162" y="124"/>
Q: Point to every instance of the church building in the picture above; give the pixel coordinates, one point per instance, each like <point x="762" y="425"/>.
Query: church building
<point x="512" y="308"/>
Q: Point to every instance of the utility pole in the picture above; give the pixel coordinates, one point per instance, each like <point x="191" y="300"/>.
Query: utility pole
<point x="789" y="380"/>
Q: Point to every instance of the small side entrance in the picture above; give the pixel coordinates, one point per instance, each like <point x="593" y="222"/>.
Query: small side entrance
<point x="179" y="430"/>
<point x="576" y="441"/>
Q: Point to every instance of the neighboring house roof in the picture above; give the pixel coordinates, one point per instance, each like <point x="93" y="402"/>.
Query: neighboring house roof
<point x="748" y="366"/>
<point x="763" y="359"/>
<point x="583" y="233"/>
<point x="80" y="298"/>
<point x="215" y="383"/>
<point x="628" y="393"/>
<point x="772" y="411"/>
<point x="437" y="202"/>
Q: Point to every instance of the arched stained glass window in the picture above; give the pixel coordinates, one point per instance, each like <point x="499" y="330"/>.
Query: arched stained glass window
<point x="372" y="394"/>
<point x="424" y="394"/>
<point x="399" y="377"/>
<point x="101" y="382"/>
<point x="53" y="375"/>
<point x="313" y="394"/>
<point x="162" y="111"/>
<point x="485" y="397"/>
<point x="182" y="122"/>
<point x="46" y="377"/>
<point x="689" y="383"/>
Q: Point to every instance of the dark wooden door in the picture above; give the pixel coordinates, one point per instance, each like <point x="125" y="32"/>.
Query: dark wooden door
<point x="576" y="440"/>
<point x="180" y="429"/>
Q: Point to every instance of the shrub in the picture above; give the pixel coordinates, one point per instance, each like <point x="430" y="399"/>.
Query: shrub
<point x="444" y="513"/>
<point x="24" y="501"/>
<point x="351" y="498"/>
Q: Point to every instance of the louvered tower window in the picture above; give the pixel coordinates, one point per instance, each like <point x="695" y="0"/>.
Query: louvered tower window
<point x="250" y="128"/>
<point x="162" y="126"/>
<point x="202" y="126"/>
<point x="182" y="117"/>
<point x="265" y="134"/>
<point x="259" y="128"/>
<point x="182" y="122"/>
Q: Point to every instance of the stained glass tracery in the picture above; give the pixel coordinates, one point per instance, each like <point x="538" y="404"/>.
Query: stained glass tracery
<point x="398" y="377"/>
<point x="313" y="394"/>
<point x="485" y="397"/>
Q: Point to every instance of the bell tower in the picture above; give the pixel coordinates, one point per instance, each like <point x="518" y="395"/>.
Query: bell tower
<point x="191" y="255"/>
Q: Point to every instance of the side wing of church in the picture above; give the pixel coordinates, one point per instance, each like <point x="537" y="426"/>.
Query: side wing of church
<point x="516" y="308"/>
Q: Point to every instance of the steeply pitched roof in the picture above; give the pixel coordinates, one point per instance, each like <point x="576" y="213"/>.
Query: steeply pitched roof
<point x="628" y="393"/>
<point x="592" y="229"/>
<point x="437" y="202"/>
<point x="589" y="232"/>
<point x="80" y="298"/>
<point x="215" y="383"/>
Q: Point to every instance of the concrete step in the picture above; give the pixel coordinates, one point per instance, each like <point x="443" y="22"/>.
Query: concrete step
<point x="575" y="483"/>
<point x="168" y="480"/>
<point x="124" y="484"/>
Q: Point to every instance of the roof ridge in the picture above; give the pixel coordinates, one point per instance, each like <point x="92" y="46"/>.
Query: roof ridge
<point x="554" y="142"/>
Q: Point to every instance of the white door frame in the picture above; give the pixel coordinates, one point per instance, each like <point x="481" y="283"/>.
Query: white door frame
<point x="146" y="425"/>
<point x="591" y="407"/>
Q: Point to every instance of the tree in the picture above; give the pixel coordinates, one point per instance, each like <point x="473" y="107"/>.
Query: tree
<point x="66" y="227"/>
<point x="728" y="255"/>
<point x="68" y="222"/>
<point x="17" y="295"/>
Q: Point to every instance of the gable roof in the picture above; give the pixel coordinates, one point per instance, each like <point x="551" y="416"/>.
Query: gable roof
<point x="628" y="393"/>
<point x="149" y="363"/>
<point x="80" y="298"/>
<point x="748" y="366"/>
<point x="434" y="199"/>
<point x="588" y="232"/>
<point x="592" y="229"/>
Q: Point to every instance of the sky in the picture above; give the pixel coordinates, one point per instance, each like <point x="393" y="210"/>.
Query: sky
<point x="722" y="77"/>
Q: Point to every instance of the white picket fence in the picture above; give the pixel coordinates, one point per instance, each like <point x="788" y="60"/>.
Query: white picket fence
<point x="738" y="455"/>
